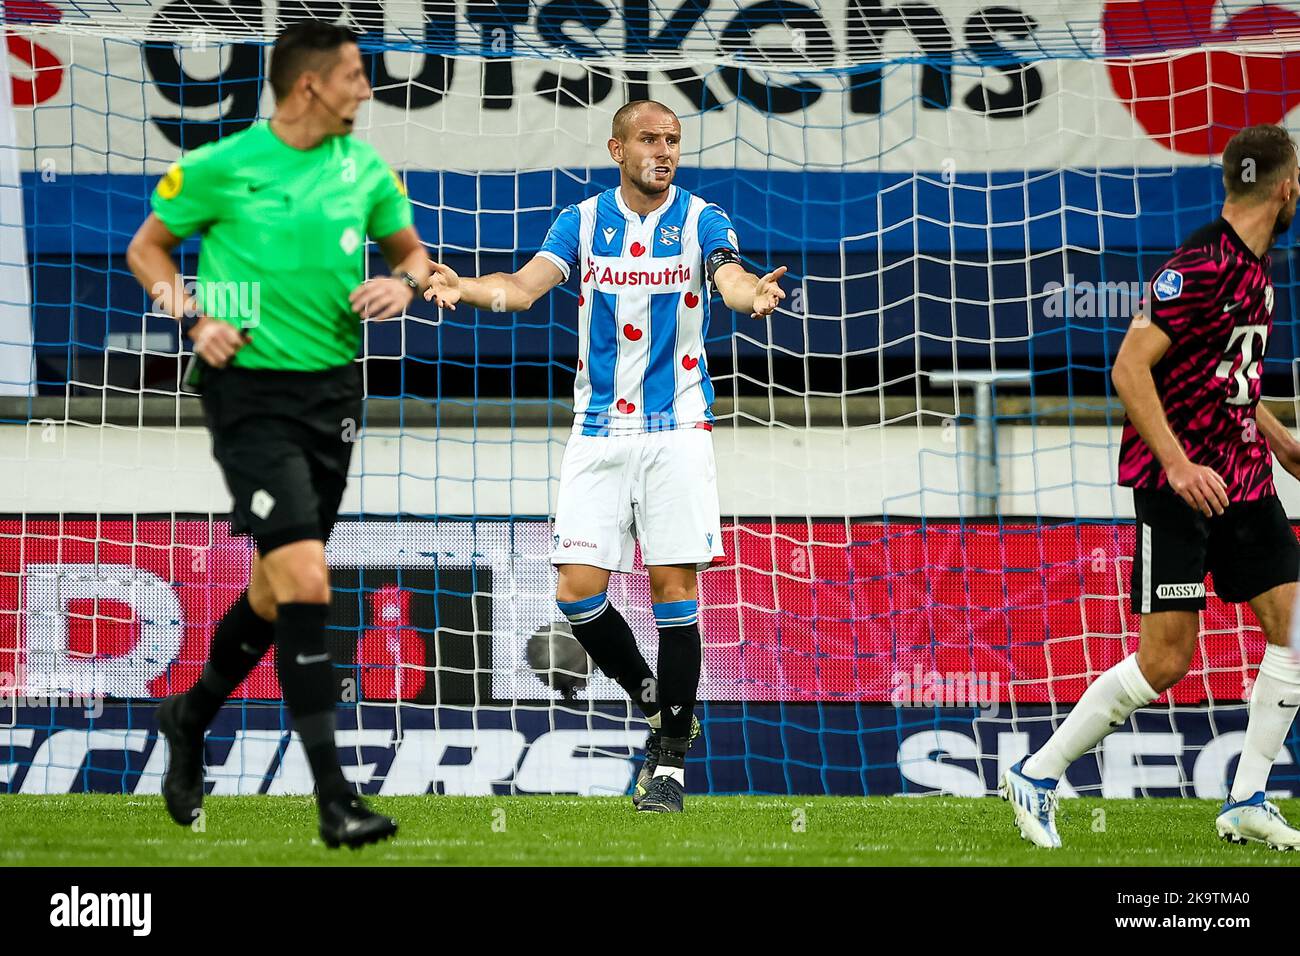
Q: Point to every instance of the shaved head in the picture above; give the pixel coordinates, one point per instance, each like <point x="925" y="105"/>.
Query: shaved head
<point x="646" y="143"/>
<point x="627" y="115"/>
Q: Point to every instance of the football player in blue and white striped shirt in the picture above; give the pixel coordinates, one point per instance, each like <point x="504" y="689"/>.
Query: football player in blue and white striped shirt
<point x="639" y="463"/>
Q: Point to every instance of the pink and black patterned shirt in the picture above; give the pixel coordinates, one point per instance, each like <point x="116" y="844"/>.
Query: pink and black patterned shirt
<point x="1214" y="300"/>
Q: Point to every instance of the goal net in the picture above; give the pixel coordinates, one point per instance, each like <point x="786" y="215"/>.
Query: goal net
<point x="927" y="556"/>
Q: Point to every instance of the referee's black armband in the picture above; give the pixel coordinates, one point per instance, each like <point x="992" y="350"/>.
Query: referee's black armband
<point x="717" y="259"/>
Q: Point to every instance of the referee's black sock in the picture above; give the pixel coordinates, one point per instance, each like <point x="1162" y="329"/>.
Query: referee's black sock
<point x="242" y="638"/>
<point x="307" y="678"/>
<point x="679" y="665"/>
<point x="604" y="635"/>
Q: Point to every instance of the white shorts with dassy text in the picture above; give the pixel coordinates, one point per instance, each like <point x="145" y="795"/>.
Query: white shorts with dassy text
<point x="660" y="488"/>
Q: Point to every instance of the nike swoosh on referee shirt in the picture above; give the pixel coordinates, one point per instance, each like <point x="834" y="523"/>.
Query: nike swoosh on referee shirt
<point x="314" y="659"/>
<point x="1232" y="306"/>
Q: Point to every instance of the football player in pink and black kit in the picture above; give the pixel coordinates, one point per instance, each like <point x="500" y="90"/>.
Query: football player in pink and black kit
<point x="1197" y="450"/>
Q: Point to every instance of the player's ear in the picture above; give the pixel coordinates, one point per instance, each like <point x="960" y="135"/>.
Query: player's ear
<point x="615" y="150"/>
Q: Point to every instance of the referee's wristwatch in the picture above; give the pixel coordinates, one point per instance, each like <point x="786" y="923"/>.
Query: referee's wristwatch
<point x="410" y="281"/>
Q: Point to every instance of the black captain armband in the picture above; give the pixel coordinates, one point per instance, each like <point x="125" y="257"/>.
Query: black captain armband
<point x="717" y="259"/>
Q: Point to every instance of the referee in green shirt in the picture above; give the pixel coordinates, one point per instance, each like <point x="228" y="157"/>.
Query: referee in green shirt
<point x="284" y="208"/>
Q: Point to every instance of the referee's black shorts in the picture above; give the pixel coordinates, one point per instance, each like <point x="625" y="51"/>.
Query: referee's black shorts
<point x="1249" y="549"/>
<point x="283" y="441"/>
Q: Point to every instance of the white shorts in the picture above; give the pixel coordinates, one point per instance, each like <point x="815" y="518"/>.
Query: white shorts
<point x="659" y="488"/>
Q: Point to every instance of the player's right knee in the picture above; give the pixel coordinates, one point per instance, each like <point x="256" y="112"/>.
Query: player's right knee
<point x="567" y="594"/>
<point x="1165" y="668"/>
<point x="571" y="588"/>
<point x="1166" y="676"/>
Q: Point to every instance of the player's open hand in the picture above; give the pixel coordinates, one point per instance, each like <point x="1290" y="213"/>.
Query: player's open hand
<point x="1200" y="487"/>
<point x="380" y="298"/>
<point x="444" y="286"/>
<point x="216" y="342"/>
<point x="768" y="293"/>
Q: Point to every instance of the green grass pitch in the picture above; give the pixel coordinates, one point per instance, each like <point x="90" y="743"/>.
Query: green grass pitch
<point x="97" y="829"/>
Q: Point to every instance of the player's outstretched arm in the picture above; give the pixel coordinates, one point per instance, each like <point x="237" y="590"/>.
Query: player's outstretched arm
<point x="1143" y="346"/>
<point x="149" y="257"/>
<point x="745" y="292"/>
<point x="1285" y="447"/>
<point x="499" y="291"/>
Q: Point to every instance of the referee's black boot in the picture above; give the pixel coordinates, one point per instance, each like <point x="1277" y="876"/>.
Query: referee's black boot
<point x="346" y="821"/>
<point x="182" y="786"/>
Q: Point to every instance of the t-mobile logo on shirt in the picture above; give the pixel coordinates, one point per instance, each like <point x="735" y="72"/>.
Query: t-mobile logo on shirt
<point x="1245" y="354"/>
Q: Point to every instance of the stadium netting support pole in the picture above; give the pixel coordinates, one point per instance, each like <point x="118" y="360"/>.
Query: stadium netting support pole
<point x="985" y="483"/>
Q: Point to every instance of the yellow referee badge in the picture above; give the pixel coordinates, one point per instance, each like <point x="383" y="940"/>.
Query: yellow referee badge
<point x="170" y="185"/>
